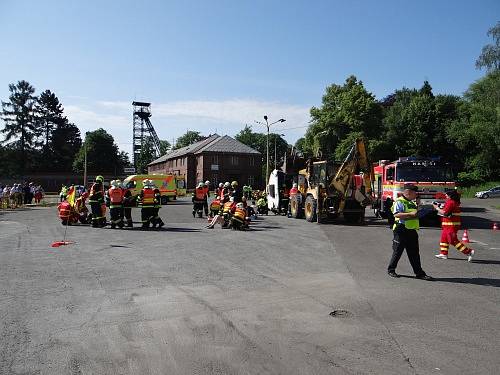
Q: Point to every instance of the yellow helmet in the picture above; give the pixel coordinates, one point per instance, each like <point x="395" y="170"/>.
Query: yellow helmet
<point x="99" y="179"/>
<point x="234" y="183"/>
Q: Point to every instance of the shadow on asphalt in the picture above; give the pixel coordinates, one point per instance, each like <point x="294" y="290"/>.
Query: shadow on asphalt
<point x="479" y="261"/>
<point x="474" y="222"/>
<point x="473" y="209"/>
<point x="470" y="280"/>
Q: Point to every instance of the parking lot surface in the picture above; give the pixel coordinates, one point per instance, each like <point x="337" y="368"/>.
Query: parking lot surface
<point x="286" y="297"/>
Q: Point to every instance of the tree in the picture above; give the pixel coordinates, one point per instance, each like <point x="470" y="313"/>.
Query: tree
<point x="148" y="153"/>
<point x="102" y="154"/>
<point x="18" y="115"/>
<point x="165" y="147"/>
<point x="476" y="130"/>
<point x="188" y="138"/>
<point x="490" y="55"/>
<point x="345" y="109"/>
<point x="49" y="113"/>
<point x="65" y="143"/>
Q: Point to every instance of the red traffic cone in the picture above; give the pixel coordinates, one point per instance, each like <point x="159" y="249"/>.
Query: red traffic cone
<point x="465" y="237"/>
<point x="495" y="226"/>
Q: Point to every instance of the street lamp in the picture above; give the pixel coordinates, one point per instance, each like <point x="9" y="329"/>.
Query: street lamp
<point x="268" y="125"/>
<point x="275" y="138"/>
<point x="85" y="162"/>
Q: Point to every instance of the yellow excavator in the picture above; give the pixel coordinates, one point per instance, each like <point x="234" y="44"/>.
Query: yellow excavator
<point x="327" y="190"/>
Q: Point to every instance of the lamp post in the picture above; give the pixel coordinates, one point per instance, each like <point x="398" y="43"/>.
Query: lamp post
<point x="275" y="138"/>
<point x="85" y="162"/>
<point x="268" y="125"/>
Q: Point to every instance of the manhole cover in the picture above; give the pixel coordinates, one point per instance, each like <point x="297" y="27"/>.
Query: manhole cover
<point x="340" y="314"/>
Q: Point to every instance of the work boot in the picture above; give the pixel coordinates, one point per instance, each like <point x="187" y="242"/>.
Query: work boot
<point x="470" y="255"/>
<point x="113" y="225"/>
<point x="193" y="213"/>
<point x="424" y="277"/>
<point x="130" y="224"/>
<point x="161" y="223"/>
<point x="393" y="274"/>
<point x="441" y="256"/>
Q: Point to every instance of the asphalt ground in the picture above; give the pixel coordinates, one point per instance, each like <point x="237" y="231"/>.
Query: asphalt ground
<point x="286" y="297"/>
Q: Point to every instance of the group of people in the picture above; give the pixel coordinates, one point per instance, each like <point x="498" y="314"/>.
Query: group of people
<point x="20" y="194"/>
<point x="120" y="202"/>
<point x="230" y="206"/>
<point x="406" y="225"/>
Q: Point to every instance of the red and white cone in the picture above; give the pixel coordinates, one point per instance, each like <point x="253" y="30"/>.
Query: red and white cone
<point x="495" y="226"/>
<point x="465" y="237"/>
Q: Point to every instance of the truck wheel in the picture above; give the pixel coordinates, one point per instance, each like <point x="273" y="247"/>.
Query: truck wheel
<point x="353" y="217"/>
<point x="164" y="200"/>
<point x="295" y="208"/>
<point x="310" y="209"/>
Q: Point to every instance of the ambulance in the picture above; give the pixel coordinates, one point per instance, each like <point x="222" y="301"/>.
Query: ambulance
<point x="166" y="183"/>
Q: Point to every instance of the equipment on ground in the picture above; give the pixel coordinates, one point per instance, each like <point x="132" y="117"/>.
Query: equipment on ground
<point x="327" y="189"/>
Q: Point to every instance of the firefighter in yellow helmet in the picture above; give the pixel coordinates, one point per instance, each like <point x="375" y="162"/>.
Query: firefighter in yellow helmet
<point x="237" y="192"/>
<point x="239" y="218"/>
<point x="96" y="200"/>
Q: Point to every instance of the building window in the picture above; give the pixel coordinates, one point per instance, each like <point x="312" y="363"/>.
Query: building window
<point x="251" y="161"/>
<point x="251" y="180"/>
<point x="234" y="160"/>
<point x="215" y="180"/>
<point x="215" y="159"/>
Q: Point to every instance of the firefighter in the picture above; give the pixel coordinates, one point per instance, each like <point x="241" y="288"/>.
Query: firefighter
<point x="215" y="207"/>
<point x="147" y="203"/>
<point x="128" y="203"/>
<point x="450" y="223"/>
<point x="63" y="193"/>
<point x="219" y="190"/>
<point x="198" y="198"/>
<point x="239" y="220"/>
<point x="237" y="193"/>
<point x="405" y="229"/>
<point x="156" y="218"/>
<point x="66" y="213"/>
<point x="226" y="212"/>
<point x="115" y="194"/>
<point x="81" y="209"/>
<point x="206" y="188"/>
<point x="294" y="192"/>
<point x="96" y="199"/>
<point x="226" y="192"/>
<point x="284" y="198"/>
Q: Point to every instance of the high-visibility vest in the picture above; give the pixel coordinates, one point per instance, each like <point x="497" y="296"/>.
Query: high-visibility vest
<point x="64" y="210"/>
<point x="227" y="207"/>
<point x="240" y="215"/>
<point x="80" y="205"/>
<point x="409" y="206"/>
<point x="148" y="197"/>
<point x="454" y="219"/>
<point x="115" y="196"/>
<point x="215" y="205"/>
<point x="157" y="198"/>
<point x="200" y="194"/>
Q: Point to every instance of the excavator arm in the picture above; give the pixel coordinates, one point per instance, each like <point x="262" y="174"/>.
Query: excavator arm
<point x="356" y="160"/>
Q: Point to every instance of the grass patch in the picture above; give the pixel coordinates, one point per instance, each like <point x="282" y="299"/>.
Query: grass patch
<point x="469" y="192"/>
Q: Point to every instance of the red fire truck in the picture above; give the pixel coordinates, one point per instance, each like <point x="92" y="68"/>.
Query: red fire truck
<point x="431" y="175"/>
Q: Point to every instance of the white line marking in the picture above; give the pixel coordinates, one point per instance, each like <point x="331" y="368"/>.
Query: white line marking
<point x="479" y="242"/>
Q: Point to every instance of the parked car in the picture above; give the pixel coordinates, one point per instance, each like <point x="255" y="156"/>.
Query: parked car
<point x="493" y="192"/>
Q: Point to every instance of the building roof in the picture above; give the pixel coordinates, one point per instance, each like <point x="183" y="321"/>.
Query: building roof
<point x="227" y="144"/>
<point x="213" y="143"/>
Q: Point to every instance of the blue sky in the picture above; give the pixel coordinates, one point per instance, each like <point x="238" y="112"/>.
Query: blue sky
<point x="217" y="65"/>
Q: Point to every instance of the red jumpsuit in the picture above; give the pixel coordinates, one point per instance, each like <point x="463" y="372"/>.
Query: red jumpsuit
<point x="450" y="226"/>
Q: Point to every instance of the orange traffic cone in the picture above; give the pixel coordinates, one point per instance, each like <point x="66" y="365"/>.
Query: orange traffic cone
<point x="465" y="237"/>
<point x="495" y="226"/>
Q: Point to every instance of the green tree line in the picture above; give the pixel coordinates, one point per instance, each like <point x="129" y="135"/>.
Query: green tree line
<point x="464" y="131"/>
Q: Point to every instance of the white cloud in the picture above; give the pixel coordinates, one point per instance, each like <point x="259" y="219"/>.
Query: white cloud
<point x="172" y="119"/>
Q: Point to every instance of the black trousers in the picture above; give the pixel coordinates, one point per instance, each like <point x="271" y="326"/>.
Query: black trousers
<point x="127" y="211"/>
<point x="405" y="239"/>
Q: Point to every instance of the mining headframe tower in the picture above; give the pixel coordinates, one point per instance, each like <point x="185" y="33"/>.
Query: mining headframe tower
<point x="143" y="129"/>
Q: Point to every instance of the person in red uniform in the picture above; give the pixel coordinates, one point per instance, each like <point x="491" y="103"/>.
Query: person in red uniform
<point x="450" y="224"/>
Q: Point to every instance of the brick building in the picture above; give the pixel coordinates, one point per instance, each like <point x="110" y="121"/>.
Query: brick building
<point x="216" y="158"/>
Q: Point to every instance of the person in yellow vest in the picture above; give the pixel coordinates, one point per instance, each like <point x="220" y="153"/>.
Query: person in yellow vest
<point x="96" y="199"/>
<point x="147" y="203"/>
<point x="405" y="229"/>
<point x="227" y="212"/>
<point x="115" y="194"/>
<point x="239" y="218"/>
